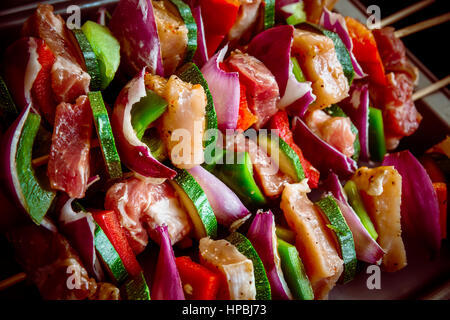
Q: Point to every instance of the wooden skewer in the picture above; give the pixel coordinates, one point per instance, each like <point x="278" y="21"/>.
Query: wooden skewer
<point x="405" y="12"/>
<point x="422" y="25"/>
<point x="432" y="88"/>
<point x="44" y="159"/>
<point x="9" y="282"/>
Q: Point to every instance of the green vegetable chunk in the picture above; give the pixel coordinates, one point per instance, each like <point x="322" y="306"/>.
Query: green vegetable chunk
<point x="354" y="199"/>
<point x="145" y="111"/>
<point x="297" y="70"/>
<point x="285" y="234"/>
<point x="297" y="12"/>
<point x="294" y="271"/>
<point x="136" y="288"/>
<point x="246" y="248"/>
<point x="90" y="59"/>
<point x="337" y="223"/>
<point x="106" y="48"/>
<point x="105" y="135"/>
<point x="237" y="174"/>
<point x="269" y="14"/>
<point x="35" y="195"/>
<point x="189" y="21"/>
<point x="377" y="143"/>
<point x="194" y="200"/>
<point x="109" y="256"/>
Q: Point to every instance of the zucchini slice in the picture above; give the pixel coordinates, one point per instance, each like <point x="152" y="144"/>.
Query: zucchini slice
<point x="191" y="25"/>
<point x="105" y="135"/>
<point x="337" y="223"/>
<point x="136" y="288"/>
<point x="90" y="60"/>
<point x="8" y="109"/>
<point x="246" y="248"/>
<point x="269" y="14"/>
<point x="194" y="200"/>
<point x="284" y="156"/>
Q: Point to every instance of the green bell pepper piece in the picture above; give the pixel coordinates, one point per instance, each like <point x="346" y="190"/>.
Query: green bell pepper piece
<point x="354" y="199"/>
<point x="294" y="272"/>
<point x="147" y="110"/>
<point x="297" y="70"/>
<point x="297" y="11"/>
<point x="238" y="176"/>
<point x="157" y="147"/>
<point x="377" y="144"/>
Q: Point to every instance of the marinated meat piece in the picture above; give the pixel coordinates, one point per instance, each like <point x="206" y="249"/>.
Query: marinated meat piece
<point x="68" y="164"/>
<point x="381" y="190"/>
<point x="393" y="53"/>
<point x="246" y="19"/>
<point x="336" y="131"/>
<point x="50" y="262"/>
<point x="262" y="88"/>
<point x="142" y="206"/>
<point x="69" y="80"/>
<point x="400" y="115"/>
<point x="320" y="65"/>
<point x="173" y="35"/>
<point x="237" y="269"/>
<point x="315" y="242"/>
<point x="182" y="126"/>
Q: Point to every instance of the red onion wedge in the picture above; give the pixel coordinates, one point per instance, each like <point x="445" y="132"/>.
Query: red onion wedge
<point x="167" y="282"/>
<point x="225" y="90"/>
<point x="21" y="67"/>
<point x="227" y="207"/>
<point x="201" y="55"/>
<point x="336" y="23"/>
<point x="367" y="249"/>
<point x="135" y="154"/>
<point x="79" y="228"/>
<point x="419" y="208"/>
<point x="295" y="95"/>
<point x="356" y="106"/>
<point x="18" y="175"/>
<point x="321" y="155"/>
<point x="133" y="23"/>
<point x="263" y="238"/>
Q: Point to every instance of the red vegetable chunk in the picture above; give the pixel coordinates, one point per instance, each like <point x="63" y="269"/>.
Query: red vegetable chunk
<point x="68" y="164"/>
<point x="69" y="80"/>
<point x="107" y="220"/>
<point x="262" y="88"/>
<point x="41" y="91"/>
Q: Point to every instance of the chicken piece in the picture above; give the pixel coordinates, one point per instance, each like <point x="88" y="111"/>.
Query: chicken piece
<point x="52" y="264"/>
<point x="68" y="163"/>
<point x="69" y="79"/>
<point x="314" y="241"/>
<point x="262" y="88"/>
<point x="246" y="19"/>
<point x="314" y="8"/>
<point x="320" y="65"/>
<point x="267" y="172"/>
<point x="381" y="190"/>
<point x="142" y="206"/>
<point x="173" y="35"/>
<point x="236" y="268"/>
<point x="336" y="131"/>
<point x="182" y="126"/>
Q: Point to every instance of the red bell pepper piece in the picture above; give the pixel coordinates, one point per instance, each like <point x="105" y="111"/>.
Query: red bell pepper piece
<point x="219" y="15"/>
<point x="366" y="51"/>
<point x="280" y="122"/>
<point x="441" y="191"/>
<point x="42" y="86"/>
<point x="212" y="43"/>
<point x="107" y="220"/>
<point x="246" y="118"/>
<point x="199" y="282"/>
